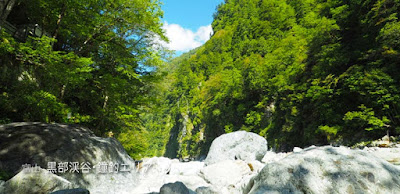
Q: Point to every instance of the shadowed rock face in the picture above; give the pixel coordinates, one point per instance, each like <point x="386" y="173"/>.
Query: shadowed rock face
<point x="38" y="143"/>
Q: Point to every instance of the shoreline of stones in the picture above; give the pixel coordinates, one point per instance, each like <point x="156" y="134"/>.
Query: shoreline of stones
<point x="237" y="163"/>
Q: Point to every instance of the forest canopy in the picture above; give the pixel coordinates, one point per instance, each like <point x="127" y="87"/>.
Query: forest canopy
<point x="87" y="67"/>
<point x="297" y="72"/>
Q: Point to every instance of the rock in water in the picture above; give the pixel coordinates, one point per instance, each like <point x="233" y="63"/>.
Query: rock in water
<point x="35" y="181"/>
<point x="327" y="170"/>
<point x="240" y="145"/>
<point x="43" y="144"/>
<point x="174" y="188"/>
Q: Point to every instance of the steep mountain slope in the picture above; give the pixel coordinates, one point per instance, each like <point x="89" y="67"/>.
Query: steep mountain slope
<point x="296" y="72"/>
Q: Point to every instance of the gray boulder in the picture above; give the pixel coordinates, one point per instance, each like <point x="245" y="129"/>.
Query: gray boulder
<point x="205" y="190"/>
<point x="174" y="188"/>
<point x="38" y="181"/>
<point x="72" y="191"/>
<point x="240" y="145"/>
<point x="327" y="170"/>
<point x="41" y="144"/>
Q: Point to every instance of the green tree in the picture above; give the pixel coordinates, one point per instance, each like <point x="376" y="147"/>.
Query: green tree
<point x="86" y="70"/>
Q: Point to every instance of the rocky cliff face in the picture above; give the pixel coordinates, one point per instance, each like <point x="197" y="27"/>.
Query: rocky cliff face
<point x="237" y="163"/>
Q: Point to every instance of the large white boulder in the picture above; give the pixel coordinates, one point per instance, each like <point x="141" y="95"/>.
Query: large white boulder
<point x="225" y="173"/>
<point x="186" y="168"/>
<point x="156" y="166"/>
<point x="240" y="145"/>
<point x="327" y="170"/>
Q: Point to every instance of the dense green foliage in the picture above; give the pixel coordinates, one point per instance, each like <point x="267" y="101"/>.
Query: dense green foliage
<point x="296" y="72"/>
<point x="90" y="68"/>
<point x="5" y="176"/>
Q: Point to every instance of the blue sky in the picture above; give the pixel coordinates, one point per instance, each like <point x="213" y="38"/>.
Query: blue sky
<point x="188" y="22"/>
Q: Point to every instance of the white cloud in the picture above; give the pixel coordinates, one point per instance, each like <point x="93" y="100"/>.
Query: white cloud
<point x="182" y="39"/>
